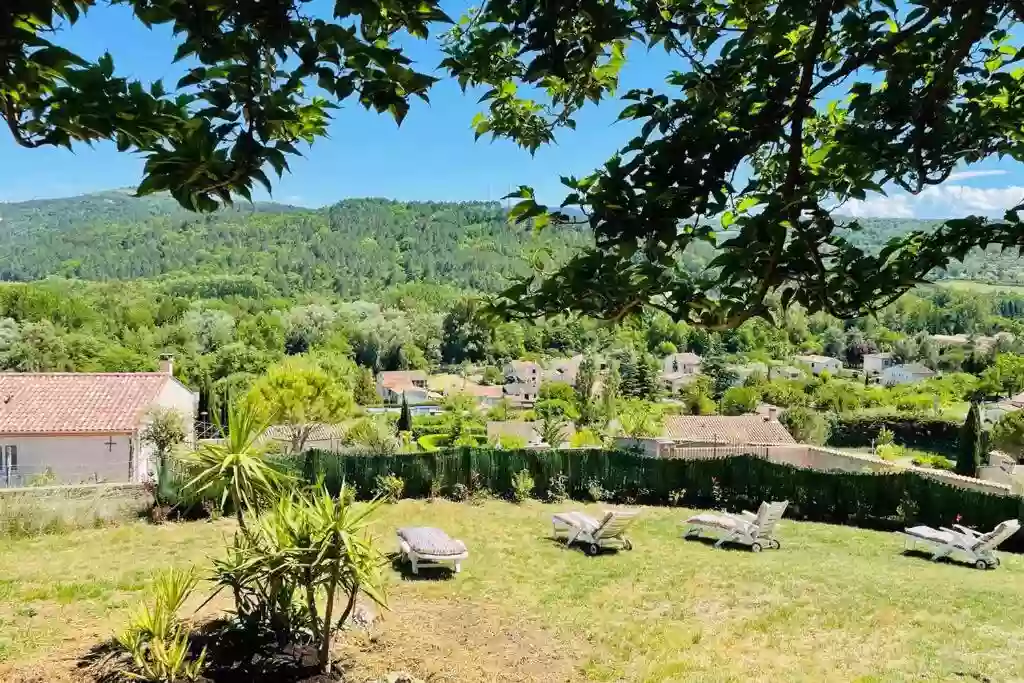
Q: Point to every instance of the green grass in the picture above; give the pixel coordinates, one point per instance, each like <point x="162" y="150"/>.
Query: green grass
<point x="834" y="604"/>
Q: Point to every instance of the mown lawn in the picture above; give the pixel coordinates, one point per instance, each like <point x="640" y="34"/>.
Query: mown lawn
<point x="834" y="604"/>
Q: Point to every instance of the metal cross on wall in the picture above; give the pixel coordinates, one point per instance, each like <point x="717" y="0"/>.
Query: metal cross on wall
<point x="110" y="444"/>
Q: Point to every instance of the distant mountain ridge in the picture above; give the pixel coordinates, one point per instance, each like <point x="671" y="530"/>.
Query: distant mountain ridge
<point x="352" y="248"/>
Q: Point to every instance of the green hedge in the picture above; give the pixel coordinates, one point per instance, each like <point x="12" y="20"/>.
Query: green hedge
<point x="882" y="501"/>
<point x="927" y="434"/>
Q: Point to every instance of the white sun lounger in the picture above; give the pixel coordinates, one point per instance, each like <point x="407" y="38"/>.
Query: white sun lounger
<point x="428" y="546"/>
<point x="756" y="531"/>
<point x="978" y="548"/>
<point x="609" y="532"/>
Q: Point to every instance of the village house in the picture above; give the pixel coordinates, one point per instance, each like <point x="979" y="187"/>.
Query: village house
<point x="522" y="372"/>
<point x="680" y="364"/>
<point x="454" y="385"/>
<point x="412" y="384"/>
<point x="678" y="370"/>
<point x="564" y="369"/>
<point x="905" y="373"/>
<point x="730" y="430"/>
<point x="820" y="364"/>
<point x="876" y="363"/>
<point x="85" y="426"/>
<point x="978" y="342"/>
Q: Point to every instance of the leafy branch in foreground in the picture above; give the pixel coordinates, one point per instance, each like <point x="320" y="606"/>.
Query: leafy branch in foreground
<point x="244" y="105"/>
<point x="778" y="113"/>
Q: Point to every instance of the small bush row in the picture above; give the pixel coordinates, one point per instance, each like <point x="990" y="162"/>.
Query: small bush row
<point x="874" y="500"/>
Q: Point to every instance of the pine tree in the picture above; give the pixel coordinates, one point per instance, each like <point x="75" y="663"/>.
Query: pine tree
<point x="405" y="418"/>
<point x="971" y="444"/>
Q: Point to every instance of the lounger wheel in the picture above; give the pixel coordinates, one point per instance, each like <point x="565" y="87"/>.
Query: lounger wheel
<point x="755" y="547"/>
<point x="982" y="564"/>
<point x="775" y="545"/>
<point x="593" y="549"/>
<point x="626" y="544"/>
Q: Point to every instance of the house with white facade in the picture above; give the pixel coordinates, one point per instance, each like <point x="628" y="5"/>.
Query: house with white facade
<point x="522" y="372"/>
<point x="819" y="364"/>
<point x="564" y="369"/>
<point x="678" y="370"/>
<point x="680" y="364"/>
<point x="876" y="363"/>
<point x="85" y="426"/>
<point x="905" y="373"/>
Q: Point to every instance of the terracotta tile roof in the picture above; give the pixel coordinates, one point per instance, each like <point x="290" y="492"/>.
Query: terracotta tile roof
<point x="394" y="379"/>
<point x="726" y="429"/>
<point x="51" y="403"/>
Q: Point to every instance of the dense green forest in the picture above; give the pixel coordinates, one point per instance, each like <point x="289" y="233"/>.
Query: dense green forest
<point x="351" y="249"/>
<point x="354" y="248"/>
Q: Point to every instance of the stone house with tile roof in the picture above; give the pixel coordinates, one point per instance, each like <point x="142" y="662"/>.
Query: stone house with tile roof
<point x="732" y="430"/>
<point x="84" y="426"/>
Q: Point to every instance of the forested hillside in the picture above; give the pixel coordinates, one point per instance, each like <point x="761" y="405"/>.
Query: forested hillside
<point x="354" y="248"/>
<point x="984" y="266"/>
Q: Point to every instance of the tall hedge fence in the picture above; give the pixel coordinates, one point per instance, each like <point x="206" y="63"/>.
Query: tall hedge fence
<point x="929" y="434"/>
<point x="882" y="501"/>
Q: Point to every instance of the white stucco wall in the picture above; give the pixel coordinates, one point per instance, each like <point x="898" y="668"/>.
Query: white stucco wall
<point x="74" y="458"/>
<point x="175" y="396"/>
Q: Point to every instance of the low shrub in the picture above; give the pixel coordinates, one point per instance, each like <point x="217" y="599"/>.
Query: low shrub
<point x="459" y="493"/>
<point x="889" y="452"/>
<point x="557" y="492"/>
<point x="390" y="488"/>
<point x="596" y="491"/>
<point x="522" y="486"/>
<point x="433" y="442"/>
<point x="938" y="462"/>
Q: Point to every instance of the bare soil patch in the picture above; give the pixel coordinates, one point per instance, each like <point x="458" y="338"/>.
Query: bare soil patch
<point x="455" y="640"/>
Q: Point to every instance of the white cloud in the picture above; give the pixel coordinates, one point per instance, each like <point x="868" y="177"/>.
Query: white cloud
<point x="964" y="175"/>
<point x="940" y="201"/>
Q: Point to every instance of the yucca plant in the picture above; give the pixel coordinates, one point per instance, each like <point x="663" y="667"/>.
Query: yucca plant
<point x="238" y="463"/>
<point x="155" y="644"/>
<point x="316" y="543"/>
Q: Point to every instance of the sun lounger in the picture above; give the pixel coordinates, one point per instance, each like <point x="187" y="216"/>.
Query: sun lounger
<point x="978" y="548"/>
<point x="428" y="546"/>
<point x="609" y="532"/>
<point x="746" y="528"/>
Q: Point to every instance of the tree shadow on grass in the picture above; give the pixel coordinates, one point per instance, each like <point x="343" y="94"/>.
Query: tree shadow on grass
<point x="710" y="542"/>
<point x="918" y="554"/>
<point x="233" y="655"/>
<point x="426" y="573"/>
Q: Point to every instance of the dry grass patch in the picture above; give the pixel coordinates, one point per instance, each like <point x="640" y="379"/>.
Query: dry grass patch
<point x="835" y="604"/>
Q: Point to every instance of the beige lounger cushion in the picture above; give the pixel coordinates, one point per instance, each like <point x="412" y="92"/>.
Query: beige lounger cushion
<point x="711" y="519"/>
<point x="578" y="520"/>
<point x="430" y="541"/>
<point x="929" y="534"/>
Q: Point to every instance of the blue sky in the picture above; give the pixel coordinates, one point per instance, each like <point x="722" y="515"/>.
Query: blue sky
<point x="432" y="156"/>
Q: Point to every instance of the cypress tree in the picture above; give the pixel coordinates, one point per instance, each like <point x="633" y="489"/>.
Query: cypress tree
<point x="405" y="418"/>
<point x="971" y="446"/>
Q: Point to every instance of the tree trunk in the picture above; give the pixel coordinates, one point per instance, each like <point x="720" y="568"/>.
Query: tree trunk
<point x="314" y="616"/>
<point x="325" y="635"/>
<point x="238" y="511"/>
<point x="352" y="595"/>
